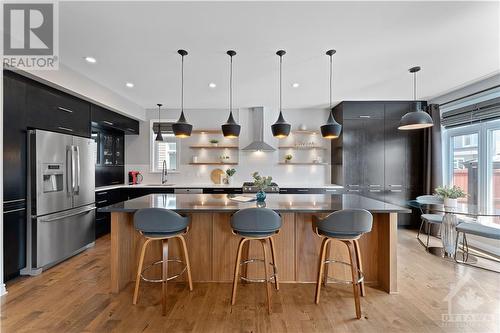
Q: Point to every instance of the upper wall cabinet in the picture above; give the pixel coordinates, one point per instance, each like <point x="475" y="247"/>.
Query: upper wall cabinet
<point x="52" y="110"/>
<point x="102" y="117"/>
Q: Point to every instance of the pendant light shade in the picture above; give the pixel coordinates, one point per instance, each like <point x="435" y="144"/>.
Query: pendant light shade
<point x="415" y="119"/>
<point x="159" y="137"/>
<point x="332" y="129"/>
<point x="281" y="129"/>
<point x="231" y="129"/>
<point x="182" y="128"/>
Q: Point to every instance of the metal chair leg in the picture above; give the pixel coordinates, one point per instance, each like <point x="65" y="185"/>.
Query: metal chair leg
<point x="456" y="246"/>
<point x="428" y="236"/>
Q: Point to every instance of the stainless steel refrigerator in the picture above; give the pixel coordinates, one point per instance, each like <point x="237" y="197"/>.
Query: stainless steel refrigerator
<point x="61" y="200"/>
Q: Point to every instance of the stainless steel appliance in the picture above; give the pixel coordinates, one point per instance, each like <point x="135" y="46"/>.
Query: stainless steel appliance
<point x="249" y="187"/>
<point x="61" y="200"/>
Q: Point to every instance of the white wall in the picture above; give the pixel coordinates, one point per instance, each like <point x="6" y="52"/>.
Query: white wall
<point x="137" y="152"/>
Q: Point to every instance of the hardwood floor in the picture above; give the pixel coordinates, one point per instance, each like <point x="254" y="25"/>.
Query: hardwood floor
<point x="74" y="297"/>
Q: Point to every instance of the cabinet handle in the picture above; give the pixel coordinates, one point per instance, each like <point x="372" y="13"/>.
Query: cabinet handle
<point x="283" y="190"/>
<point x="352" y="190"/>
<point x="14" y="210"/>
<point x="353" y="185"/>
<point x="396" y="185"/>
<point x="102" y="193"/>
<point x="11" y="201"/>
<point x="116" y="182"/>
<point x="218" y="190"/>
<point x="108" y="122"/>
<point x="299" y="190"/>
<point x="364" y="116"/>
<point x="374" y="190"/>
<point x="395" y="190"/>
<point x="65" y="129"/>
<point x="130" y="129"/>
<point x="330" y="190"/>
<point x="64" y="109"/>
<point x="374" y="185"/>
<point x="102" y="201"/>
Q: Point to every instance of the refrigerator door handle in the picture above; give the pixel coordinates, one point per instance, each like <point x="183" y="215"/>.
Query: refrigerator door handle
<point x="77" y="170"/>
<point x="60" y="217"/>
<point x="69" y="169"/>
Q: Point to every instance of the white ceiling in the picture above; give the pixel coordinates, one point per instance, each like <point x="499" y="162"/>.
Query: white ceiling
<point x="454" y="42"/>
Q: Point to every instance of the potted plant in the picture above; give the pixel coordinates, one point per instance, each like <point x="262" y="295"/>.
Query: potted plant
<point x="214" y="142"/>
<point x="450" y="195"/>
<point x="230" y="173"/>
<point x="262" y="183"/>
<point x="288" y="158"/>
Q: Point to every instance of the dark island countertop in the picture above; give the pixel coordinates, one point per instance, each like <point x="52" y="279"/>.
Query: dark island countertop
<point x="307" y="203"/>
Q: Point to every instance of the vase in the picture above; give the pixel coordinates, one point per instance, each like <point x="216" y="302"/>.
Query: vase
<point x="261" y="196"/>
<point x="449" y="233"/>
<point x="452" y="203"/>
<point x="229" y="180"/>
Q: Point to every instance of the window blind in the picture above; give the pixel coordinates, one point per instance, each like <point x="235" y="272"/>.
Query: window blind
<point x="474" y="113"/>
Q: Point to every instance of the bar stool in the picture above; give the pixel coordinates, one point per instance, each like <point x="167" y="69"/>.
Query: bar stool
<point x="157" y="224"/>
<point x="256" y="224"/>
<point x="346" y="226"/>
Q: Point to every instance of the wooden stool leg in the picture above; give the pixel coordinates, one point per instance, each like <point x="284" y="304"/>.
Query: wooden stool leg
<point x="266" y="264"/>
<point x="327" y="256"/>
<point x="164" y="276"/>
<point x="244" y="256"/>
<point x="360" y="267"/>
<point x="237" y="270"/>
<point x="354" y="273"/>
<point x="186" y="260"/>
<point x="273" y="255"/>
<point x="139" y="271"/>
<point x="321" y="267"/>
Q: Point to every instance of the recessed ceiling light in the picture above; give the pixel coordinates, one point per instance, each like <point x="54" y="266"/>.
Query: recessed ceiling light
<point x="129" y="85"/>
<point x="295" y="85"/>
<point x="92" y="60"/>
<point x="212" y="85"/>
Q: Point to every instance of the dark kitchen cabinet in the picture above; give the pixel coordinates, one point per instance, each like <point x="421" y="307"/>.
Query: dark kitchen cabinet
<point x="105" y="118"/>
<point x="375" y="159"/>
<point x="102" y="199"/>
<point x="14" y="234"/>
<point x="52" y="110"/>
<point x="110" y="157"/>
<point x="223" y="190"/>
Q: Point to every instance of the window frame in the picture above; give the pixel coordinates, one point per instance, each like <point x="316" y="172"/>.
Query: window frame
<point x="152" y="137"/>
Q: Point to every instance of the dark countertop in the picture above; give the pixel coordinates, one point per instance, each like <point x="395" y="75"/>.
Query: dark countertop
<point x="279" y="202"/>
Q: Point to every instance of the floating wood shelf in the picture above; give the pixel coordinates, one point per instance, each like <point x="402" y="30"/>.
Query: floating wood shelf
<point x="213" y="163"/>
<point x="207" y="131"/>
<point x="302" y="163"/>
<point x="301" y="148"/>
<point x="305" y="132"/>
<point x="213" y="147"/>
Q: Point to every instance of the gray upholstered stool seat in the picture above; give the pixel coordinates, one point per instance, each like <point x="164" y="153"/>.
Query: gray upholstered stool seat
<point x="346" y="226"/>
<point x="479" y="230"/>
<point x="157" y="224"/>
<point x="432" y="218"/>
<point x="256" y="224"/>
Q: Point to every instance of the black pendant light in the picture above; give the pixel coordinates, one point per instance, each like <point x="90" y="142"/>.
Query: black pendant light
<point x="231" y="129"/>
<point x="182" y="128"/>
<point x="280" y="129"/>
<point x="159" y="137"/>
<point x="332" y="129"/>
<point x="415" y="119"/>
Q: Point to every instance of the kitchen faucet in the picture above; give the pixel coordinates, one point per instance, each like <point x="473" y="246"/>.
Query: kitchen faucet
<point x="164" y="172"/>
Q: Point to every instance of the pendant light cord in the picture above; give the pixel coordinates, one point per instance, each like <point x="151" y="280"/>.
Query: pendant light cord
<point x="231" y="85"/>
<point x="415" y="86"/>
<point x="182" y="83"/>
<point x="331" y="76"/>
<point x="281" y="64"/>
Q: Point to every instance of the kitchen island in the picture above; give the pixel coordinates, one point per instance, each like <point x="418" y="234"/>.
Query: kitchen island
<point x="212" y="246"/>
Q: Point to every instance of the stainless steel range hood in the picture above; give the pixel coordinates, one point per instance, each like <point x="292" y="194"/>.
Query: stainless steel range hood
<point x="257" y="120"/>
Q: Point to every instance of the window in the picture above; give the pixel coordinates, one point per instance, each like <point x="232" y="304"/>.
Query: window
<point x="493" y="168"/>
<point x="465" y="163"/>
<point x="166" y="150"/>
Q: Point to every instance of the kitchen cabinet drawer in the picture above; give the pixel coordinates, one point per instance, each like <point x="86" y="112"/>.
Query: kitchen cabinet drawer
<point x="102" y="224"/>
<point x="52" y="110"/>
<point x="222" y="190"/>
<point x="109" y="175"/>
<point x="102" y="117"/>
<point x="133" y="193"/>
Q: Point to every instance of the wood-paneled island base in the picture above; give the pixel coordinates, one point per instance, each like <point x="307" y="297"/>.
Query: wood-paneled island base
<point x="212" y="247"/>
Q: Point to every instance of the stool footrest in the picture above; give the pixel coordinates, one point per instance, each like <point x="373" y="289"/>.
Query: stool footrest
<point x="270" y="279"/>
<point x="340" y="281"/>
<point x="159" y="262"/>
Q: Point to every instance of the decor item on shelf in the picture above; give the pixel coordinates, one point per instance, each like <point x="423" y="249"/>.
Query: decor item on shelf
<point x="224" y="158"/>
<point x="288" y="158"/>
<point x="450" y="195"/>
<point x="332" y="129"/>
<point x="230" y="173"/>
<point x="317" y="159"/>
<point x="281" y="129"/>
<point x="419" y="118"/>
<point x="214" y="142"/>
<point x="182" y="128"/>
<point x="159" y="137"/>
<point x="303" y="127"/>
<point x="195" y="159"/>
<point x="262" y="183"/>
<point x="231" y="129"/>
